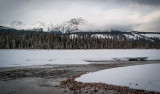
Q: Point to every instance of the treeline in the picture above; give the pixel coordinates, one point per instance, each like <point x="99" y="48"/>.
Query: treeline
<point x="41" y="40"/>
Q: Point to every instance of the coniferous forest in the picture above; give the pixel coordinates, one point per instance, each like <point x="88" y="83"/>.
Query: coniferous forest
<point x="44" y="40"/>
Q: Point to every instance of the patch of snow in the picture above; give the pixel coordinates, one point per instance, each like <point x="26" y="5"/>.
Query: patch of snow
<point x="145" y="77"/>
<point x="12" y="58"/>
<point x="132" y="36"/>
<point x="152" y="35"/>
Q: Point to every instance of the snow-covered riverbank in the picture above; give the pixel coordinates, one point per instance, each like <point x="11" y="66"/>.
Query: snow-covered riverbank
<point x="145" y="77"/>
<point x="12" y="58"/>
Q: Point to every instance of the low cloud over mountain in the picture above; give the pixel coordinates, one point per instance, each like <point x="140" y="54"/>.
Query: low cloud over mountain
<point x="127" y="15"/>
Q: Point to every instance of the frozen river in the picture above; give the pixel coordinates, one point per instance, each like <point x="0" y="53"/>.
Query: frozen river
<point x="144" y="77"/>
<point x="12" y="58"/>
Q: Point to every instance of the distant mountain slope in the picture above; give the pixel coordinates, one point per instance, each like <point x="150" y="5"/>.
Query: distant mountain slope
<point x="145" y="36"/>
<point x="2" y="28"/>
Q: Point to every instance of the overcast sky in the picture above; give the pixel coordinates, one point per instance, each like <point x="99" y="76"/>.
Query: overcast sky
<point x="142" y="15"/>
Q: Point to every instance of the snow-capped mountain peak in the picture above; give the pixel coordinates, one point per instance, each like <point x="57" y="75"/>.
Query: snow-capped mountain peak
<point x="39" y="24"/>
<point x="45" y="26"/>
<point x="66" y="26"/>
<point x="16" y="23"/>
<point x="70" y="26"/>
<point x="77" y="21"/>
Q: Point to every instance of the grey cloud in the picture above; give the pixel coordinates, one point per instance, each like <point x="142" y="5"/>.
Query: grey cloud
<point x="152" y="25"/>
<point x="55" y="11"/>
<point x="12" y="9"/>
<point x="148" y="2"/>
<point x="140" y="2"/>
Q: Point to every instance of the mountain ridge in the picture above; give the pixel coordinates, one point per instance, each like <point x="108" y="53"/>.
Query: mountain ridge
<point x="66" y="26"/>
<point x="71" y="27"/>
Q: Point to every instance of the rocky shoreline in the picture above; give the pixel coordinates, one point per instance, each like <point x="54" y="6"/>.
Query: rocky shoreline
<point x="100" y="88"/>
<point x="59" y="79"/>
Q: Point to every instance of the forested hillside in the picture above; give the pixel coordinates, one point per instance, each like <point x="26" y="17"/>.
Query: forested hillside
<point x="44" y="40"/>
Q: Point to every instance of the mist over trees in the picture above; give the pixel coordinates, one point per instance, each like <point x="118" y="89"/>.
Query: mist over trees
<point x="43" y="40"/>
